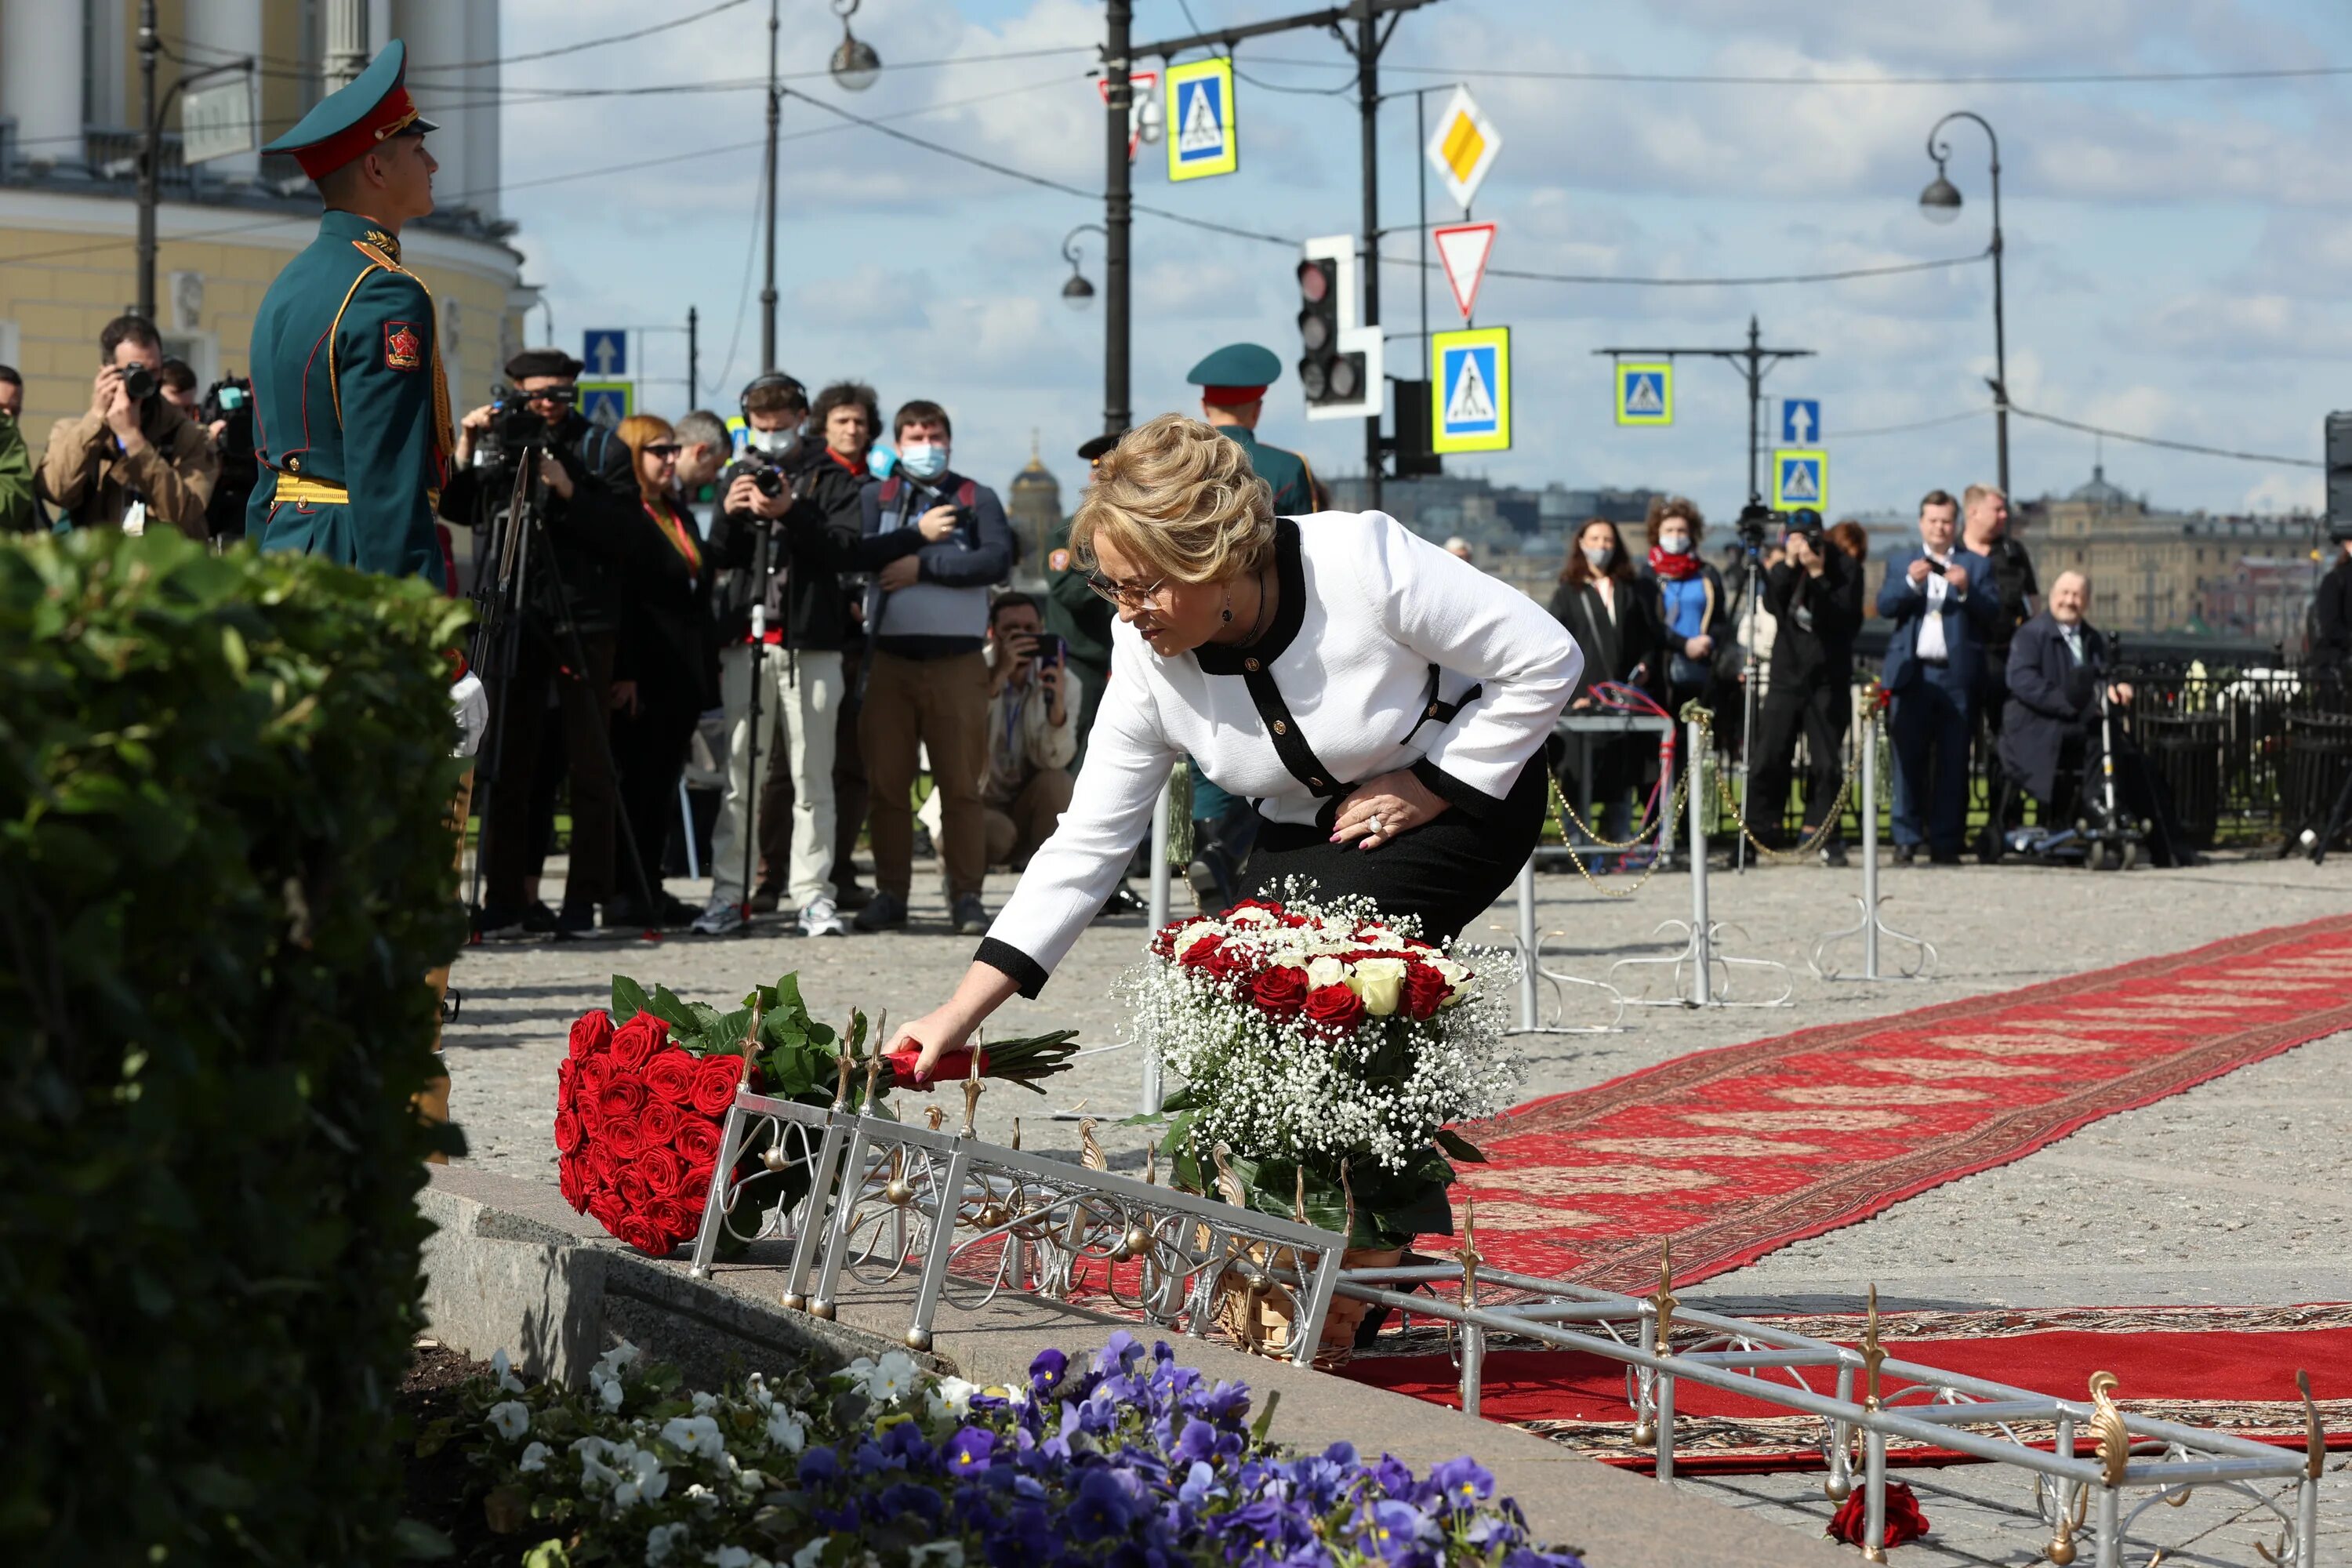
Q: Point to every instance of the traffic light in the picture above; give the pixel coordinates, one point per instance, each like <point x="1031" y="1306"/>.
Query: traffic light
<point x="1328" y="375"/>
<point x="1339" y="364"/>
<point x="2339" y="475"/>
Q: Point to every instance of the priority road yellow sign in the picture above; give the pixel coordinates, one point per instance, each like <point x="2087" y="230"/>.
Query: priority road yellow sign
<point x="1470" y="382"/>
<point x="1645" y="391"/>
<point x="1201" y="137"/>
<point x="1463" y="147"/>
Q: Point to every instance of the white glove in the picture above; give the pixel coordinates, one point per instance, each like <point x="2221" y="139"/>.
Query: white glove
<point x="472" y="703"/>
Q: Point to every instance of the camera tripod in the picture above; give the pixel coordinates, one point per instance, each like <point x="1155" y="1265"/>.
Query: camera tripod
<point x="500" y="598"/>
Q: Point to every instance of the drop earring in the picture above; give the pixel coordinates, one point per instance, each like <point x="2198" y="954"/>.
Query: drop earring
<point x="1228" y="611"/>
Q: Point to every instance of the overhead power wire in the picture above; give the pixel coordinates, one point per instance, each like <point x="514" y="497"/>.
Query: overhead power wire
<point x="2161" y="441"/>
<point x="1598" y="279"/>
<point x="586" y="44"/>
<point x="1195" y="22"/>
<point x="1740" y="79"/>
<point x="1905" y="428"/>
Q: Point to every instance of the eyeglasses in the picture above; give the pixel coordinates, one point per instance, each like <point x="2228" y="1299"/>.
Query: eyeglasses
<point x="1104" y="588"/>
<point x="663" y="449"/>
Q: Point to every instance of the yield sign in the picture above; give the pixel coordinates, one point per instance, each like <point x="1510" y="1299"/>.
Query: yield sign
<point x="1141" y="105"/>
<point x="1463" y="248"/>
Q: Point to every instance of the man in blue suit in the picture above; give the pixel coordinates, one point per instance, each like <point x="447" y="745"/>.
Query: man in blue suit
<point x="1944" y="607"/>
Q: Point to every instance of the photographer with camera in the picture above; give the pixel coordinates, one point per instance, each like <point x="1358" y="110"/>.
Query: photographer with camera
<point x="2331" y="609"/>
<point x="20" y="512"/>
<point x="1033" y="741"/>
<point x="133" y="460"/>
<point x="586" y="478"/>
<point x="1814" y="594"/>
<point x="787" y="528"/>
<point x="226" y="415"/>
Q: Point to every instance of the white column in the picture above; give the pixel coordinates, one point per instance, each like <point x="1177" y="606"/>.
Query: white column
<point x="41" y="77"/>
<point x="482" y="161"/>
<point x="434" y="32"/>
<point x="222" y="30"/>
<point x="348" y="46"/>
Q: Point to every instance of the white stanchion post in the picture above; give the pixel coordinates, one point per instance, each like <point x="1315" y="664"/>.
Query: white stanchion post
<point x="1702" y="949"/>
<point x="1870" y="849"/>
<point x="686" y="826"/>
<point x="1160" y="880"/>
<point x="1528" y="943"/>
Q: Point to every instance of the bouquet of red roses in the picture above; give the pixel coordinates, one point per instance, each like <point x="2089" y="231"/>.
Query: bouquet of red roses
<point x="636" y="1127"/>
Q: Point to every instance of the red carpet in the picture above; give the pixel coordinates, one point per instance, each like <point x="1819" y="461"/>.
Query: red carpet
<point x="1737" y="1152"/>
<point x="2202" y="1365"/>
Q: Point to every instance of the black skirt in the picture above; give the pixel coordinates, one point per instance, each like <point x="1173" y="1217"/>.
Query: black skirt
<point x="1446" y="872"/>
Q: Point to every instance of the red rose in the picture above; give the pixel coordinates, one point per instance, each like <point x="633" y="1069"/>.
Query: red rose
<point x="592" y="1115"/>
<point x="623" y="1136"/>
<point x="696" y="1141"/>
<point x="624" y="1096"/>
<point x="715" y="1080"/>
<point x="593" y="1035"/>
<point x="607" y="1209"/>
<point x="635" y="1190"/>
<point x="697" y="1187"/>
<point x="660" y="1122"/>
<point x="1424" y="989"/>
<point x="568" y="1136"/>
<point x="670" y="1076"/>
<point x="1905" y="1521"/>
<point x="953" y="1066"/>
<point x="643" y="1235"/>
<point x="663" y="1169"/>
<point x="604" y="1163"/>
<point x="634" y="1043"/>
<point x="1198" y="955"/>
<point x="672" y="1219"/>
<point x="574" y="1186"/>
<point x="1280" y="991"/>
<point x="1334" y="1009"/>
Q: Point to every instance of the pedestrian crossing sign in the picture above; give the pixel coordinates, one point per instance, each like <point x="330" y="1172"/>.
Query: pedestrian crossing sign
<point x="607" y="403"/>
<point x="1645" y="393"/>
<point x="1801" y="476"/>
<point x="1470" y="379"/>
<point x="1200" y="139"/>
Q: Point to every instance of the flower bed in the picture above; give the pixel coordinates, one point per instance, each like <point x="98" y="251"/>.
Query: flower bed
<point x="1133" y="1459"/>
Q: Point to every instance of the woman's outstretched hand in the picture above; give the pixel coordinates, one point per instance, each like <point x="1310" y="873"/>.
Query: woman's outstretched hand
<point x="949" y="1027"/>
<point x="1398" y="802"/>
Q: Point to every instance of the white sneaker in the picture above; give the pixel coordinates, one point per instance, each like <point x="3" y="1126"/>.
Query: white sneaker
<point x="819" y="918"/>
<point x="719" y="919"/>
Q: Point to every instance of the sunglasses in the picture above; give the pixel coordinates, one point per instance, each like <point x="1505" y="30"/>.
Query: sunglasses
<point x="1104" y="588"/>
<point x="663" y="449"/>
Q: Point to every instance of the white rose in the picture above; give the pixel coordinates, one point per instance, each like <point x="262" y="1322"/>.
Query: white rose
<point x="1325" y="971"/>
<point x="1379" y="982"/>
<point x="1380" y="936"/>
<point x="1457" y="978"/>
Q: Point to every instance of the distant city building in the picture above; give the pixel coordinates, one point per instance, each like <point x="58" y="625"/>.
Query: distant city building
<point x="1033" y="507"/>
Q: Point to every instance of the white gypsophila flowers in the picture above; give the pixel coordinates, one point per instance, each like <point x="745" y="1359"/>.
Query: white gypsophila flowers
<point x="1274" y="1085"/>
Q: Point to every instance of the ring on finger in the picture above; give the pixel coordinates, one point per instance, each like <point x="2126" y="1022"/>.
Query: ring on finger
<point x="1378" y="828"/>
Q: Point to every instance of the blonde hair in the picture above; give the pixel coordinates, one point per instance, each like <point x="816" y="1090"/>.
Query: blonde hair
<point x="637" y="432"/>
<point x="1182" y="499"/>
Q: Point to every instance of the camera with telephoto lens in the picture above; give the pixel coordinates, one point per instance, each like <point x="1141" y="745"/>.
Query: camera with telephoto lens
<point x="139" y="383"/>
<point x="516" y="424"/>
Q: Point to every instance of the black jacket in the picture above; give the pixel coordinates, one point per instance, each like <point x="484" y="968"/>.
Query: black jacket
<point x="798" y="573"/>
<point x="2012" y="573"/>
<point x="2331" y="615"/>
<point x="2052" y="699"/>
<point x="666" y="633"/>
<point x="590" y="534"/>
<point x="1615" y="647"/>
<point x="1817" y="617"/>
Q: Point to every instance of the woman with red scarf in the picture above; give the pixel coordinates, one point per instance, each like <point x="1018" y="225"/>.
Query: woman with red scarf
<point x="1686" y="595"/>
<point x="666" y="671"/>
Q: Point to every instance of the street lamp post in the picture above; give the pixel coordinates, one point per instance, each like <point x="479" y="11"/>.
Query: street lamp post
<point x="1941" y="202"/>
<point x="1077" y="293"/>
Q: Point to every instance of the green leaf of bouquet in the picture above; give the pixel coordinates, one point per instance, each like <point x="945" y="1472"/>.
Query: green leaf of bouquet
<point x="629" y="999"/>
<point x="666" y="1006"/>
<point x="788" y="997"/>
<point x="1461" y="1148"/>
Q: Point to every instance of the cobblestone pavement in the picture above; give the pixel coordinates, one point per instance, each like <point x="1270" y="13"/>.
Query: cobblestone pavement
<point x="2235" y="1193"/>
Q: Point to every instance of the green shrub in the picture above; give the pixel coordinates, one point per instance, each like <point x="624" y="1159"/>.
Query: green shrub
<point x="225" y="868"/>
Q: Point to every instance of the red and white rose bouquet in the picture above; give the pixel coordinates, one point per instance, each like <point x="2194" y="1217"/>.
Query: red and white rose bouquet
<point x="1327" y="1051"/>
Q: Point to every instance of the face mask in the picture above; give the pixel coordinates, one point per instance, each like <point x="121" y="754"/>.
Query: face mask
<point x="1673" y="546"/>
<point x="1600" y="555"/>
<point x="774" y="443"/>
<point x="923" y="459"/>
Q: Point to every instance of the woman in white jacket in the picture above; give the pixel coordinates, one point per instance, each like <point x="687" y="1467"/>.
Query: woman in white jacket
<point x="1382" y="704"/>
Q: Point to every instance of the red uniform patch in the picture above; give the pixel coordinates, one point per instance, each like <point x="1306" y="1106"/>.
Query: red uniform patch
<point x="403" y="345"/>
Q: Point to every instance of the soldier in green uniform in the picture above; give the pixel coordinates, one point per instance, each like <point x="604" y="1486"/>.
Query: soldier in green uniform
<point x="1233" y="382"/>
<point x="350" y="408"/>
<point x="1078" y="615"/>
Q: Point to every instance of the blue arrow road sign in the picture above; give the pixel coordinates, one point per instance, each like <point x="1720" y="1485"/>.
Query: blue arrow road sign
<point x="1801" y="421"/>
<point x="606" y="350"/>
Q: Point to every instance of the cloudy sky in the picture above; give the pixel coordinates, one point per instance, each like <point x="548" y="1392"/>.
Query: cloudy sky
<point x="2177" y="251"/>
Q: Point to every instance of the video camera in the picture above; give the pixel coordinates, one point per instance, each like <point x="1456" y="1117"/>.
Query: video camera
<point x="229" y="398"/>
<point x="515" y="424"/>
<point x="1756" y="523"/>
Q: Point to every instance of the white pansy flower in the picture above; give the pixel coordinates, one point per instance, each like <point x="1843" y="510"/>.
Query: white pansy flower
<point x="786" y="1429"/>
<point x="509" y="1418"/>
<point x="643" y="1480"/>
<point x="952" y="1397"/>
<point x="595" y="1476"/>
<point x="946" y="1554"/>
<point x="736" y="1557"/>
<point x="502" y="1374"/>
<point x="608" y="1390"/>
<point x="891" y="1378"/>
<point x="1325" y="971"/>
<point x="694" y="1435"/>
<point x="534" y="1458"/>
<point x="755" y="1389"/>
<point x="704" y="1403"/>
<point x="809" y="1555"/>
<point x="662" y="1540"/>
<point x="1379" y="982"/>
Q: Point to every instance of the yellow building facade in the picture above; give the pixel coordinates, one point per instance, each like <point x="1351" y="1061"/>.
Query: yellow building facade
<point x="70" y="105"/>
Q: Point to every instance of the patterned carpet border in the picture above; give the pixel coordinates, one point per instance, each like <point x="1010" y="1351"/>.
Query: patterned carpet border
<point x="1843" y="1197"/>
